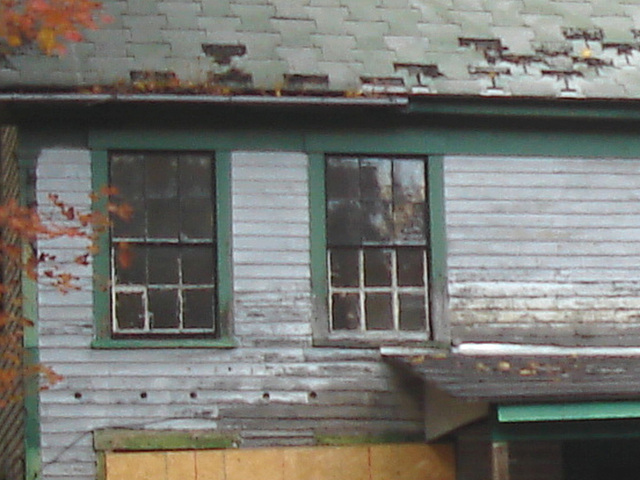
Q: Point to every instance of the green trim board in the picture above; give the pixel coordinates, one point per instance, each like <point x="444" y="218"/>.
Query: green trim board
<point x="139" y="440"/>
<point x="101" y="262"/>
<point x="33" y="461"/>
<point x="568" y="411"/>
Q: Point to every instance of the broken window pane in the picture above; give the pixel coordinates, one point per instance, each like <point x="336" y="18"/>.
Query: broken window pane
<point x="379" y="311"/>
<point x="377" y="267"/>
<point x="344" y="268"/>
<point x="412" y="312"/>
<point x="346" y="311"/>
<point x="163" y="308"/>
<point x="129" y="311"/>
<point x="198" y="308"/>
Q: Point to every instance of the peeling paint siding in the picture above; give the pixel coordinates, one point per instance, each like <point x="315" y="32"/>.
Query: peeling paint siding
<point x="543" y="247"/>
<point x="354" y="392"/>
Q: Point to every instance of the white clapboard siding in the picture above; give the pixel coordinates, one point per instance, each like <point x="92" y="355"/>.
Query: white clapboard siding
<point x="336" y="390"/>
<point x="543" y="247"/>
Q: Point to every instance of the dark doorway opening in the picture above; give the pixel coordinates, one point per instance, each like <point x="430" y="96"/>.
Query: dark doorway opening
<point x="610" y="459"/>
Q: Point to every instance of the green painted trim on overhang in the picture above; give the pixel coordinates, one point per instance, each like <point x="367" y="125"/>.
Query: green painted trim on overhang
<point x="101" y="262"/>
<point x="570" y="109"/>
<point x="468" y="136"/>
<point x="137" y="440"/>
<point x="568" y="411"/>
<point x="196" y="139"/>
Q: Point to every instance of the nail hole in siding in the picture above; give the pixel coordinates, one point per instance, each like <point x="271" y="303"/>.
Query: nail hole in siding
<point x="266" y="396"/>
<point x="193" y="394"/>
<point x="143" y="394"/>
<point x="313" y="395"/>
<point x="77" y="395"/>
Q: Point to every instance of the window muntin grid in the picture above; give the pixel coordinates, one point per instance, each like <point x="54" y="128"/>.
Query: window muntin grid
<point x="168" y="285"/>
<point x="377" y="244"/>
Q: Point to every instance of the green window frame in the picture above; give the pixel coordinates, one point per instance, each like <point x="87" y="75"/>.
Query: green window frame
<point x="437" y="329"/>
<point x="220" y="334"/>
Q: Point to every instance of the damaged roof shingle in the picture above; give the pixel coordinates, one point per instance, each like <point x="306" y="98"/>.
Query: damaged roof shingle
<point x="422" y="43"/>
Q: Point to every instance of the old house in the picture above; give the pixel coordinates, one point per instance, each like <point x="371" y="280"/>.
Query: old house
<point x="396" y="239"/>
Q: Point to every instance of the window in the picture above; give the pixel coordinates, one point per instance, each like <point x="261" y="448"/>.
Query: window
<point x="377" y="244"/>
<point x="163" y="261"/>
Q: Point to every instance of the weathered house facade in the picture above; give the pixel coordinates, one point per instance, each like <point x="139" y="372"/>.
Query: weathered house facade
<point x="387" y="240"/>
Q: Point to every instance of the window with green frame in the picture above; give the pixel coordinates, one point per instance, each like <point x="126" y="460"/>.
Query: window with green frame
<point x="164" y="265"/>
<point x="377" y="246"/>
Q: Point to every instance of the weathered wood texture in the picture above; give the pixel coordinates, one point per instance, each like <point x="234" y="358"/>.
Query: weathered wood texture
<point x="543" y="249"/>
<point x="12" y="421"/>
<point x="274" y="389"/>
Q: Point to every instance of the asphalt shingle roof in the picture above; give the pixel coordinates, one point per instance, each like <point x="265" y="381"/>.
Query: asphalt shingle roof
<point x="519" y="48"/>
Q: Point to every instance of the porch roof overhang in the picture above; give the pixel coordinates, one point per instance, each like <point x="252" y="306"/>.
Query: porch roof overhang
<point x="503" y="374"/>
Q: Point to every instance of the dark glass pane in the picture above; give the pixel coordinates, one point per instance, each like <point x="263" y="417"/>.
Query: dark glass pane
<point x="197" y="218"/>
<point x="413" y="313"/>
<point x="379" y="311"/>
<point x="163" y="265"/>
<point x="131" y="264"/>
<point x="163" y="308"/>
<point x="127" y="175"/>
<point x="375" y="180"/>
<point x="196" y="179"/>
<point x="346" y="312"/>
<point x="410" y="267"/>
<point x="410" y="224"/>
<point x="342" y="179"/>
<point x="163" y="218"/>
<point x="344" y="224"/>
<point x="129" y="311"/>
<point x="377" y="224"/>
<point x="199" y="308"/>
<point x="344" y="268"/>
<point x="161" y="176"/>
<point x="134" y="227"/>
<point x="198" y="265"/>
<point x="409" y="181"/>
<point x="377" y="267"/>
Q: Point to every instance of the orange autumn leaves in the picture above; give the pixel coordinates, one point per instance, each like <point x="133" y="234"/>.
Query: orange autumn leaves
<point x="22" y="227"/>
<point x="48" y="24"/>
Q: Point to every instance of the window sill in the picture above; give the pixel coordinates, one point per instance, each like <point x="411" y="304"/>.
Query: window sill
<point x="374" y="340"/>
<point x="133" y="343"/>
